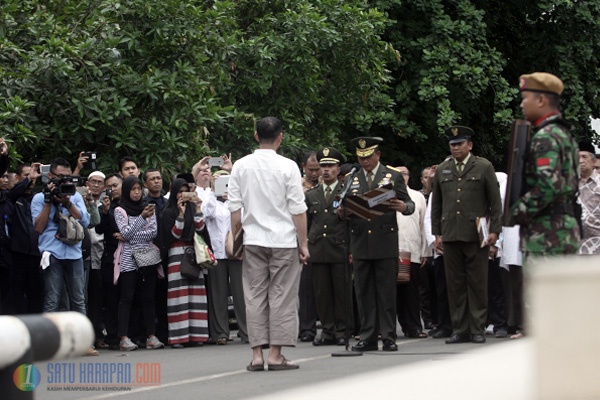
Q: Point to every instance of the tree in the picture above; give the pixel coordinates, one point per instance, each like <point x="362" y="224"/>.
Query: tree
<point x="461" y="61"/>
<point x="169" y="81"/>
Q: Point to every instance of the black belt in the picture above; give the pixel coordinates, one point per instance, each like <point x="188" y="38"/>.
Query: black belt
<point x="559" y="209"/>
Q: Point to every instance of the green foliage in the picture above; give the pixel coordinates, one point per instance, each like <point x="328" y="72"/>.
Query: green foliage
<point x="170" y="81"/>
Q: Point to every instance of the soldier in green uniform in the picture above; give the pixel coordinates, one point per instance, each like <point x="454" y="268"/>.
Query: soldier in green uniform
<point x="326" y="247"/>
<point x="374" y="248"/>
<point x="465" y="187"/>
<point x="546" y="212"/>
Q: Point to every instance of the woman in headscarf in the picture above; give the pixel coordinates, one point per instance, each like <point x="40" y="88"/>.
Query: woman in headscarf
<point x="187" y="313"/>
<point x="137" y="227"/>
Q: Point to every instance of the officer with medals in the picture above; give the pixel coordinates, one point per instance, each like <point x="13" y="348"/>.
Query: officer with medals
<point x="374" y="247"/>
<point x="326" y="247"/>
<point x="465" y="188"/>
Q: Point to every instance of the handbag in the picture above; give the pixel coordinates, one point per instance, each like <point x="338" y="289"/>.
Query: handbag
<point x="146" y="256"/>
<point x="204" y="255"/>
<point x="234" y="247"/>
<point x="403" y="267"/>
<point x="69" y="230"/>
<point x="189" y="268"/>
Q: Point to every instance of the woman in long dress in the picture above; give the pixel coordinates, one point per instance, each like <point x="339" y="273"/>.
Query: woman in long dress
<point x="186" y="298"/>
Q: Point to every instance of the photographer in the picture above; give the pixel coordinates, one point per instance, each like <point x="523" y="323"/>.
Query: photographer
<point x="61" y="262"/>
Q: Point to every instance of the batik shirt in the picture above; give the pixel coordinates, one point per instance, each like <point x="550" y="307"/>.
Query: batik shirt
<point x="589" y="197"/>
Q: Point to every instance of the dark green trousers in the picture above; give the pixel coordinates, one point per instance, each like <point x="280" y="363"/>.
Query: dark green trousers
<point x="467" y="281"/>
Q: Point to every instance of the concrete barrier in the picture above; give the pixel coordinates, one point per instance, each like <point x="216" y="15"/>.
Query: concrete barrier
<point x="28" y="338"/>
<point x="565" y="320"/>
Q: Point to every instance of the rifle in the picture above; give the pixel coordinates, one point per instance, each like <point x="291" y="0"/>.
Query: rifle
<point x="517" y="155"/>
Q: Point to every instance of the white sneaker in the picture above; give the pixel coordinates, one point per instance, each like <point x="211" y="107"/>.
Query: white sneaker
<point x="154" y="343"/>
<point x="127" y="345"/>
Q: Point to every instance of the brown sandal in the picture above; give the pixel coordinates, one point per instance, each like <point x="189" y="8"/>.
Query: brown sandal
<point x="255" y="367"/>
<point x="283" y="366"/>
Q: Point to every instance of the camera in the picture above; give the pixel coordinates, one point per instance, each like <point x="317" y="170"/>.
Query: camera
<point x="44" y="171"/>
<point x="90" y="164"/>
<point x="215" y="162"/>
<point x="66" y="186"/>
<point x="187" y="196"/>
<point x="108" y="192"/>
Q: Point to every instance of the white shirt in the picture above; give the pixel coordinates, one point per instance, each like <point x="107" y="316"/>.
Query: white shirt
<point x="411" y="228"/>
<point x="217" y="219"/>
<point x="428" y="234"/>
<point x="269" y="188"/>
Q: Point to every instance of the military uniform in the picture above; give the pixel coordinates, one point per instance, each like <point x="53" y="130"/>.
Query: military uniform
<point x="374" y="248"/>
<point x="327" y="252"/>
<point x="458" y="198"/>
<point x="546" y="211"/>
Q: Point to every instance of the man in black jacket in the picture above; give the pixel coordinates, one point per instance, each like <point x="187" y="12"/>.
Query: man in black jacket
<point x="27" y="276"/>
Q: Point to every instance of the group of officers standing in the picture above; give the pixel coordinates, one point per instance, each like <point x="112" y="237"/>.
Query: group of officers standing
<point x="464" y="192"/>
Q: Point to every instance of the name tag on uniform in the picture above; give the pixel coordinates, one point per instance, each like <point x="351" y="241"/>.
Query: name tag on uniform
<point x="446" y="172"/>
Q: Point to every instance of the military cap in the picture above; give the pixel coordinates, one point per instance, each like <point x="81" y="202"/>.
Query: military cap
<point x="587" y="146"/>
<point x="542" y="82"/>
<point x="329" y="155"/>
<point x="457" y="134"/>
<point x="365" y="146"/>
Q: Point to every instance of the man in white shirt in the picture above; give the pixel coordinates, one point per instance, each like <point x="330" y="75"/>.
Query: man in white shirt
<point x="412" y="239"/>
<point x="268" y="187"/>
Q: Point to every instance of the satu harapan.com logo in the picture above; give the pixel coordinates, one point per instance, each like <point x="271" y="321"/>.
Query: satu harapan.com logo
<point x="26" y="377"/>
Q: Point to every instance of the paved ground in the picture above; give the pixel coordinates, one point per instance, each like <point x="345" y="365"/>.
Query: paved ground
<point x="218" y="372"/>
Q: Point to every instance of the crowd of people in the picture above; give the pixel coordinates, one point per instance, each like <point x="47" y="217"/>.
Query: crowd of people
<point x="436" y="260"/>
<point x="131" y="303"/>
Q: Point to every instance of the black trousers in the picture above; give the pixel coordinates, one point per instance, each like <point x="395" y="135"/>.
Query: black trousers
<point x="427" y="293"/>
<point x="110" y="300"/>
<point x="94" y="303"/>
<point x="27" y="284"/>
<point x="497" y="302"/>
<point x="407" y="302"/>
<point x="443" y="309"/>
<point x="133" y="283"/>
<point x="307" y="313"/>
<point x="516" y="303"/>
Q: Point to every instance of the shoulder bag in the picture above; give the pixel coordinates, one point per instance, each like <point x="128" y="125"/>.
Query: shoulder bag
<point x="204" y="255"/>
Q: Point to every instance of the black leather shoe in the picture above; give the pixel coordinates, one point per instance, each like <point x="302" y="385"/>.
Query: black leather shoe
<point x="458" y="338"/>
<point x="363" y="345"/>
<point x="340" y="341"/>
<point x="306" y="338"/>
<point x="389" y="345"/>
<point x="441" y="333"/>
<point x="477" y="338"/>
<point x="324" y="342"/>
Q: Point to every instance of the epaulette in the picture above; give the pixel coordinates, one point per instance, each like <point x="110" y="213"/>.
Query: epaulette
<point x="393" y="168"/>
